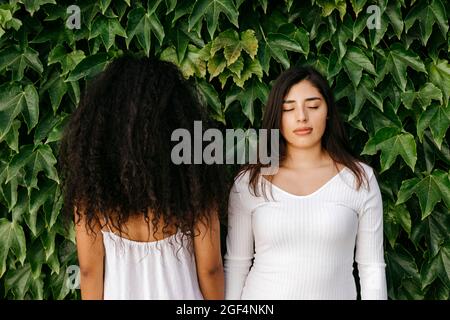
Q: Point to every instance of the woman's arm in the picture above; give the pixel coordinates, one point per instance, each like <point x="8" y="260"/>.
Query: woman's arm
<point x="240" y="243"/>
<point x="90" y="257"/>
<point x="369" y="245"/>
<point x="209" y="260"/>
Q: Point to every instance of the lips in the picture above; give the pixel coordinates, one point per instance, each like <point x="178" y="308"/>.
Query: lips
<point x="302" y="130"/>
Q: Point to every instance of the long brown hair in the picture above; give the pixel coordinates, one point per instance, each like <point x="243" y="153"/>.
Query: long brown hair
<point x="334" y="139"/>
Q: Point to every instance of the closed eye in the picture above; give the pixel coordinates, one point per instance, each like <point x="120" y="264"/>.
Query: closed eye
<point x="313" y="107"/>
<point x="285" y="110"/>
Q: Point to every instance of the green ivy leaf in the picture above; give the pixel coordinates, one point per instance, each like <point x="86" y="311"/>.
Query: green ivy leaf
<point x="391" y="230"/>
<point x="232" y="44"/>
<point x="433" y="228"/>
<point x="329" y="6"/>
<point x="104" y="5"/>
<point x="398" y="59"/>
<point x="251" y="68"/>
<point x="394" y="13"/>
<point x="402" y="267"/>
<point x="58" y="284"/>
<point x="249" y="43"/>
<point x="285" y="43"/>
<point x="33" y="5"/>
<point x="275" y="46"/>
<point x="428" y="15"/>
<point x="89" y="67"/>
<point x="437" y="118"/>
<point x="270" y="50"/>
<point x="56" y="133"/>
<point x="392" y="143"/>
<point x="440" y="76"/>
<point x="355" y="61"/>
<point x="333" y="67"/>
<point x="424" y="96"/>
<point x="12" y="137"/>
<point x="12" y="238"/>
<point x="31" y="112"/>
<point x="48" y="242"/>
<point x="376" y="35"/>
<point x="212" y="98"/>
<point x="211" y="9"/>
<point x="170" y="4"/>
<point x="255" y="90"/>
<point x="53" y="261"/>
<point x="430" y="190"/>
<point x="17" y="60"/>
<point x="445" y="257"/>
<point x="399" y="215"/>
<point x="184" y="8"/>
<point x="216" y="65"/>
<point x="139" y="26"/>
<point x="56" y="91"/>
<point x="12" y="103"/>
<point x="107" y="29"/>
<point x="52" y="208"/>
<point x="37" y="199"/>
<point x="36" y="257"/>
<point x="68" y="61"/>
<point x="339" y="40"/>
<point x="237" y="67"/>
<point x="36" y="288"/>
<point x="358" y="5"/>
<point x="45" y="125"/>
<point x="375" y="119"/>
<point x="193" y="64"/>
<point x="35" y="159"/>
<point x="7" y="21"/>
<point x="182" y="41"/>
<point x="358" y="26"/>
<point x="18" y="281"/>
<point x="433" y="269"/>
<point x="364" y="91"/>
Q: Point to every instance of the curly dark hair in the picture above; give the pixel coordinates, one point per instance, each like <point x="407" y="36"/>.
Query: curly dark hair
<point x="115" y="155"/>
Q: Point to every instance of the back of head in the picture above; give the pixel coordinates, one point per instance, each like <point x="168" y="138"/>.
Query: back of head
<point x="115" y="156"/>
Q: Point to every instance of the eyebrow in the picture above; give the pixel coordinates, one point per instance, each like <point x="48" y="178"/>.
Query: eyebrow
<point x="307" y="99"/>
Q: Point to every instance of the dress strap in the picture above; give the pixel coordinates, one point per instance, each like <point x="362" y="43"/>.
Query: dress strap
<point x="107" y="225"/>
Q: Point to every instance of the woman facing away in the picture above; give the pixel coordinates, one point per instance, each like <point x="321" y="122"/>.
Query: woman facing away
<point x="145" y="227"/>
<point x="325" y="209"/>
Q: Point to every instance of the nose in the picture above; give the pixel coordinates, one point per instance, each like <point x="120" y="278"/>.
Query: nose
<point x="301" y="115"/>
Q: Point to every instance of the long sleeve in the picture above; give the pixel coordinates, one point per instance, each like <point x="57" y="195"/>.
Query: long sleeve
<point x="369" y="245"/>
<point x="240" y="245"/>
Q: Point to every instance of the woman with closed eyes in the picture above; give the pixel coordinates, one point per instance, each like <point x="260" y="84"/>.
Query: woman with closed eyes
<point x="323" y="214"/>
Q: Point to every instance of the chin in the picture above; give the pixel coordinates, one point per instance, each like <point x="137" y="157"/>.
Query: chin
<point x="302" y="145"/>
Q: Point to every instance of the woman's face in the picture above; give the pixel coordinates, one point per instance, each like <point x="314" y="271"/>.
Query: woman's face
<point x="304" y="113"/>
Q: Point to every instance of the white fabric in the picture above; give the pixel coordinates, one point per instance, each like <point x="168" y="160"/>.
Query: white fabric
<point x="149" y="270"/>
<point x="303" y="246"/>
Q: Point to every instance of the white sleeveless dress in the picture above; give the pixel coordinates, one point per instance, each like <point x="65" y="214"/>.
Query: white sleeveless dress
<point x="161" y="269"/>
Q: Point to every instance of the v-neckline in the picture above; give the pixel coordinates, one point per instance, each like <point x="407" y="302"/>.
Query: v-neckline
<point x="311" y="194"/>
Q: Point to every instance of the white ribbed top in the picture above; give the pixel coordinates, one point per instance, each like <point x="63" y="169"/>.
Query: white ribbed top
<point x="304" y="246"/>
<point x="160" y="270"/>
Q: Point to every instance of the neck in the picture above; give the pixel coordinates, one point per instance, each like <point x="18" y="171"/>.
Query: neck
<point x="305" y="158"/>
